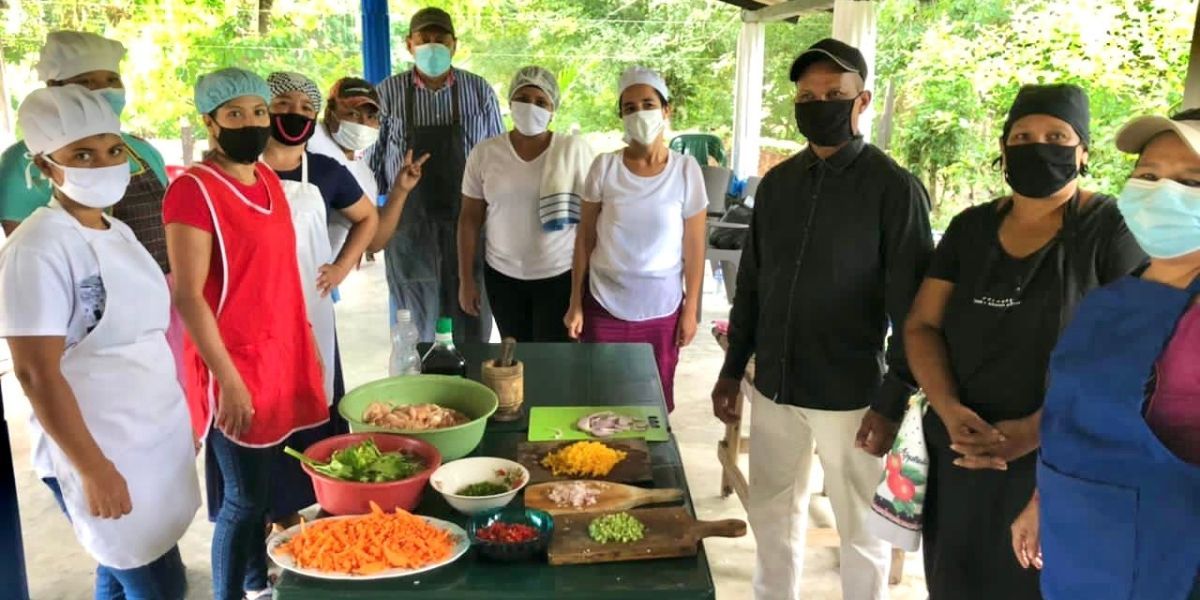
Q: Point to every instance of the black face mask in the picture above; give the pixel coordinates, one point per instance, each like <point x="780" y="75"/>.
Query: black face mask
<point x="825" y="122"/>
<point x="244" y="145"/>
<point x="291" y="129"/>
<point x="1039" y="170"/>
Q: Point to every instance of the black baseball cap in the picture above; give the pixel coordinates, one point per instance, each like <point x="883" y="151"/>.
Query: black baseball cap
<point x="841" y="54"/>
<point x="431" y="17"/>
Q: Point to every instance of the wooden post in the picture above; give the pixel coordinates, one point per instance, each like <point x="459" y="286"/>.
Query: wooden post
<point x="188" y="139"/>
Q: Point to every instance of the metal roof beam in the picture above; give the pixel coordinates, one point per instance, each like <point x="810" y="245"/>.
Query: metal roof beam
<point x="785" y="10"/>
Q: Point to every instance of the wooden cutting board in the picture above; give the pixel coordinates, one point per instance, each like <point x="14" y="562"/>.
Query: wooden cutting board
<point x="635" y="467"/>
<point x="611" y="497"/>
<point x="670" y="533"/>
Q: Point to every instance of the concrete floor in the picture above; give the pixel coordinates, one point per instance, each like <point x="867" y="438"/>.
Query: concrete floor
<point x="59" y="569"/>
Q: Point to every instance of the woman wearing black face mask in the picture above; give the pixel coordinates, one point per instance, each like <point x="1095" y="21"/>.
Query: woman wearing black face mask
<point x="1003" y="283"/>
<point x="252" y="371"/>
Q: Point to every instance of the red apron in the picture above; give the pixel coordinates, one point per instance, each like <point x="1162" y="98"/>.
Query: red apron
<point x="260" y="314"/>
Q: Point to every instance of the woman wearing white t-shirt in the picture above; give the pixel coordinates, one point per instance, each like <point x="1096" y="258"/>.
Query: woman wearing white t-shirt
<point x="526" y="184"/>
<point x="640" y="246"/>
<point x="85" y="308"/>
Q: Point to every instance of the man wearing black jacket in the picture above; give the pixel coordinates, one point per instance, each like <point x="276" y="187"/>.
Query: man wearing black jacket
<point x="838" y="245"/>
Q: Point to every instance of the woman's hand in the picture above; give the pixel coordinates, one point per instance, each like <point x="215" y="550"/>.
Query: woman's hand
<point x="468" y="297"/>
<point x="574" y="321"/>
<point x="686" y="330"/>
<point x="1027" y="543"/>
<point x="969" y="433"/>
<point x="234" y="409"/>
<point x="409" y="174"/>
<point x="1020" y="437"/>
<point x="330" y="276"/>
<point x="106" y="491"/>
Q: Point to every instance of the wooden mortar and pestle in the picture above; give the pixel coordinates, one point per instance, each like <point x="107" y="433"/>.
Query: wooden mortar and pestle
<point x="506" y="377"/>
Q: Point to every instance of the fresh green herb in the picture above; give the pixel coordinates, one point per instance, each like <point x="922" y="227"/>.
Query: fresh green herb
<point x="364" y="463"/>
<point x="483" y="488"/>
<point x="621" y="528"/>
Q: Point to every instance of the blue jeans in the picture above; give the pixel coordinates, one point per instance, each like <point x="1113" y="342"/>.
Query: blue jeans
<point x="163" y="579"/>
<point x="239" y="547"/>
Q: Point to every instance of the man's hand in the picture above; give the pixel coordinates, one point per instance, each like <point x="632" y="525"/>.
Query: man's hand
<point x="409" y="174"/>
<point x="106" y="491"/>
<point x="1019" y="437"/>
<point x="969" y="434"/>
<point x="724" y="399"/>
<point x="876" y="434"/>
<point x="1026" y="539"/>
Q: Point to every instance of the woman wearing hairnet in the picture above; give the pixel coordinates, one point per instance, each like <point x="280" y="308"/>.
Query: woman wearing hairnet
<point x="254" y="375"/>
<point x="526" y="185"/>
<point x="85" y="308"/>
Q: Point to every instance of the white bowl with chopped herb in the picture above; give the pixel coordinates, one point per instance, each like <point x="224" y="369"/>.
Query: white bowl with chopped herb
<point x="475" y="485"/>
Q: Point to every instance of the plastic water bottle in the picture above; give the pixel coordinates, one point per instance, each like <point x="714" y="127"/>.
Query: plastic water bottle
<point x="404" y="360"/>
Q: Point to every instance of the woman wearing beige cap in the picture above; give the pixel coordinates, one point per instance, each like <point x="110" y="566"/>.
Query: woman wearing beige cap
<point x="1119" y="471"/>
<point x="84" y="309"/>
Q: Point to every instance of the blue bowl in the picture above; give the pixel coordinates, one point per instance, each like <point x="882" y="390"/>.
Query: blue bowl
<point x="539" y="520"/>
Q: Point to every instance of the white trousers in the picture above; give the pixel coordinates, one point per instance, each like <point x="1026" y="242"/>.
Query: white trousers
<point x="781" y="451"/>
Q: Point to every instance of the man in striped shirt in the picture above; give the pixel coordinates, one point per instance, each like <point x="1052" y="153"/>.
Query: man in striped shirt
<point x="441" y="111"/>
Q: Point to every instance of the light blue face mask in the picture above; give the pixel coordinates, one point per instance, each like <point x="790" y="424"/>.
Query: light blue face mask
<point x="115" y="98"/>
<point x="1163" y="215"/>
<point x="432" y="59"/>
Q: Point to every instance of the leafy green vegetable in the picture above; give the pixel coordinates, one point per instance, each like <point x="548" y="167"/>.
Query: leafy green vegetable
<point x="483" y="488"/>
<point x="364" y="463"/>
<point x="620" y="527"/>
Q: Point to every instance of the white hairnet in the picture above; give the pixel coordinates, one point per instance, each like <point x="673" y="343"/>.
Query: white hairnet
<point x="641" y="75"/>
<point x="536" y="77"/>
<point x="69" y="53"/>
<point x="54" y="117"/>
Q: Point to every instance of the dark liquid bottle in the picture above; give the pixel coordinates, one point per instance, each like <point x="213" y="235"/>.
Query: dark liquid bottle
<point x="443" y="358"/>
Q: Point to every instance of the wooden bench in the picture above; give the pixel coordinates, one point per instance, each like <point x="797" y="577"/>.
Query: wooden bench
<point x="733" y="480"/>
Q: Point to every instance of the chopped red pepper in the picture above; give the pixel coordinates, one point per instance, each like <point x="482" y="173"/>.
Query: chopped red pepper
<point x="507" y="533"/>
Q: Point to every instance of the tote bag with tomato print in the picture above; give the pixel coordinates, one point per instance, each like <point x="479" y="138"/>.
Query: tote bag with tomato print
<point x="899" y="501"/>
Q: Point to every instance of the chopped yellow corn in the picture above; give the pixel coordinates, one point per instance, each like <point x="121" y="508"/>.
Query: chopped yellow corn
<point x="583" y="459"/>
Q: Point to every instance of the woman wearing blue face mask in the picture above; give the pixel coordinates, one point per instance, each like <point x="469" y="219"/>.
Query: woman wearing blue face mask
<point x="1119" y="476"/>
<point x="84" y="309"/>
<point x="86" y="59"/>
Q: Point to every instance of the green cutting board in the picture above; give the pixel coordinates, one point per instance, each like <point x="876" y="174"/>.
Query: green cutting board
<point x="553" y="423"/>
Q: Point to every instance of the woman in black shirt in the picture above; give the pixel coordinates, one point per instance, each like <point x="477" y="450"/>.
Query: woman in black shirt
<point x="1003" y="283"/>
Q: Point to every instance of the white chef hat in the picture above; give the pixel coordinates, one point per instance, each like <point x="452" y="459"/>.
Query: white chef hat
<point x="641" y="75"/>
<point x="69" y="53"/>
<point x="54" y="117"/>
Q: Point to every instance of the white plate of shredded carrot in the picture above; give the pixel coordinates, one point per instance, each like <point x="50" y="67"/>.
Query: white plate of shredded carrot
<point x="378" y="545"/>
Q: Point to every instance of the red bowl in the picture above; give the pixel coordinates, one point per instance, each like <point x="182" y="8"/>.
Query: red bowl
<point x="339" y="497"/>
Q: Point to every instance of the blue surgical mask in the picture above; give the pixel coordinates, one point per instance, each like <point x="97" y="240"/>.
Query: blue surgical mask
<point x="115" y="97"/>
<point x="432" y="59"/>
<point x="1163" y="215"/>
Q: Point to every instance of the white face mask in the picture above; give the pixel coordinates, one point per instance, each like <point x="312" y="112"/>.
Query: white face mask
<point x="530" y="119"/>
<point x="101" y="187"/>
<point x="355" y="137"/>
<point x="644" y="126"/>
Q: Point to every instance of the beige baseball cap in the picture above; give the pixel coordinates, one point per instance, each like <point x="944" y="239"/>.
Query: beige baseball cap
<point x="1134" y="136"/>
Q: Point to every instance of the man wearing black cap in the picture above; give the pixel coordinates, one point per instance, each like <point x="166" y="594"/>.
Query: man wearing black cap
<point x="838" y="244"/>
<point x="441" y="111"/>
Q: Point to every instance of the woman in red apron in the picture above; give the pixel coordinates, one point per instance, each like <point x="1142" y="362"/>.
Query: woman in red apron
<point x="84" y="309"/>
<point x="253" y="372"/>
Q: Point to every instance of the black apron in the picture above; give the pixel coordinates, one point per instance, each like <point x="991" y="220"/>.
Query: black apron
<point x="422" y="257"/>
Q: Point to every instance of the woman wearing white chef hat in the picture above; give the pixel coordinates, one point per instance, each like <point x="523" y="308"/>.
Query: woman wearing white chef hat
<point x="84" y="308"/>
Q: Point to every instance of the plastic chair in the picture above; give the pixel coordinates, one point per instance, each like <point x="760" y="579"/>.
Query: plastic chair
<point x="700" y="146"/>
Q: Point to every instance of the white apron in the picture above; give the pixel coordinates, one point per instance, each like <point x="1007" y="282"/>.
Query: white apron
<point x="313" y="251"/>
<point x="123" y="376"/>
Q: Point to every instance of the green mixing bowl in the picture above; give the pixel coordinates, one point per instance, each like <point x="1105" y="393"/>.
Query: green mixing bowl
<point x="473" y="399"/>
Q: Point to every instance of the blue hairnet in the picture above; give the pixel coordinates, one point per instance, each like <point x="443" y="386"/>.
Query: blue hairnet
<point x="219" y="87"/>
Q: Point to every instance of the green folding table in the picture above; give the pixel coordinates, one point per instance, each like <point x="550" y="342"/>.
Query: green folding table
<point x="555" y="375"/>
